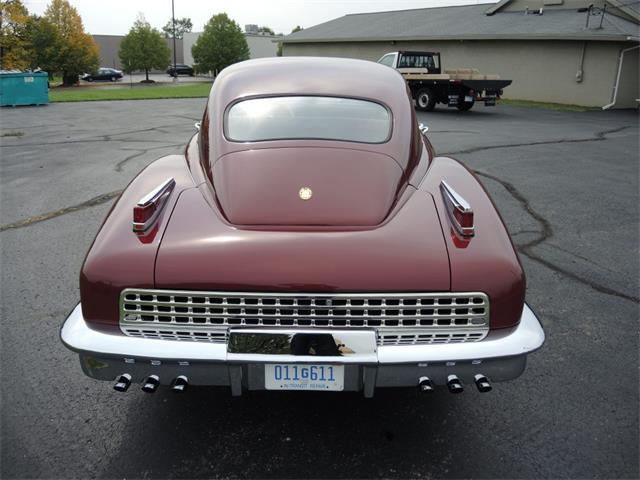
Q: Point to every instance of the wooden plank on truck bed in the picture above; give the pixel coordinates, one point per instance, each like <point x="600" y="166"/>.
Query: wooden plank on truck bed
<point x="454" y="74"/>
<point x="424" y="76"/>
<point x="461" y="71"/>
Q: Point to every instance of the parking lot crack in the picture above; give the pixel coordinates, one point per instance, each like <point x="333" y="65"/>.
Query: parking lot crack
<point x="545" y="233"/>
<point x="140" y="152"/>
<point x="101" y="138"/>
<point x="95" y="201"/>
<point x="596" y="137"/>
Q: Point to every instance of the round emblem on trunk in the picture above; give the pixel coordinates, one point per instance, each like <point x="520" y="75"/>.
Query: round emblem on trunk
<point x="305" y="193"/>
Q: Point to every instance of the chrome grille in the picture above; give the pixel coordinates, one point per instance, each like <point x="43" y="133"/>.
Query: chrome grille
<point x="400" y="319"/>
<point x="415" y="337"/>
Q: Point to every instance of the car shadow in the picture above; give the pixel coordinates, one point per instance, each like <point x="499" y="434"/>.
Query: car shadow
<point x="207" y="433"/>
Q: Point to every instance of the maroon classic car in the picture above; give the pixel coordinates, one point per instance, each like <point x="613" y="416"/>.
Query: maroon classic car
<point x="308" y="238"/>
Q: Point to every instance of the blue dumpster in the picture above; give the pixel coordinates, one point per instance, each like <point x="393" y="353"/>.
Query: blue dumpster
<point x="23" y="88"/>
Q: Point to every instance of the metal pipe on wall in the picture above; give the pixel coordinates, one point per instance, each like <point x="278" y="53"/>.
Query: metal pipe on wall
<point x="580" y="72"/>
<point x="614" y="94"/>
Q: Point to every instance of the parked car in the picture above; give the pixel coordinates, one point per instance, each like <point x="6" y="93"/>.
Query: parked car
<point x="103" y="74"/>
<point x="180" y="69"/>
<point x="309" y="238"/>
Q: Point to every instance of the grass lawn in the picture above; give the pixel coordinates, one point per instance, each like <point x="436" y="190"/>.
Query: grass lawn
<point x="195" y="90"/>
<point x="125" y="92"/>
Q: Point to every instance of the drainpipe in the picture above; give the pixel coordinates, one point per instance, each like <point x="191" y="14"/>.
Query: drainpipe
<point x="614" y="94"/>
<point x="580" y="72"/>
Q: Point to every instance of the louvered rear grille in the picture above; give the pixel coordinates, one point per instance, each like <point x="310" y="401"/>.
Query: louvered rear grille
<point x="400" y="319"/>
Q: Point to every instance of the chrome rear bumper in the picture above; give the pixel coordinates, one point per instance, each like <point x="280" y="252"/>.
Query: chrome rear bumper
<point x="500" y="356"/>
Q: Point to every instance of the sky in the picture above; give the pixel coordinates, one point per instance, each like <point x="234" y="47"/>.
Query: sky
<point x="115" y="17"/>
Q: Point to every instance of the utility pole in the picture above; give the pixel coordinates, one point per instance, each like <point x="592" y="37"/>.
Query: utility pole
<point x="173" y="20"/>
<point x="1" y="46"/>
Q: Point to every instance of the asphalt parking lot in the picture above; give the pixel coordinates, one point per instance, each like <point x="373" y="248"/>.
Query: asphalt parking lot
<point x="567" y="186"/>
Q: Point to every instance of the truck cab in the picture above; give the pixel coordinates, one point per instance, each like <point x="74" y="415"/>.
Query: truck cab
<point x="425" y="61"/>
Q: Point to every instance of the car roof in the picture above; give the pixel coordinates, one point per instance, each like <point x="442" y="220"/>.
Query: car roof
<point x="311" y="76"/>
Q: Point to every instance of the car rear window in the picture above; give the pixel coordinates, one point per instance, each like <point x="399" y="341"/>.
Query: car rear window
<point x="308" y="117"/>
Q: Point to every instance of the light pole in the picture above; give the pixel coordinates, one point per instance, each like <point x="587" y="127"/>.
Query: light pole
<point x="173" y="20"/>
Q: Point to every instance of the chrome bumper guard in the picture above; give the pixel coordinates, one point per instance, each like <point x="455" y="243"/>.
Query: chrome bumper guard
<point x="239" y="363"/>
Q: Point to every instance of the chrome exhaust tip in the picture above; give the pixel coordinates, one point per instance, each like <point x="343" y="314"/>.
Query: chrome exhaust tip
<point x="454" y="384"/>
<point x="151" y="384"/>
<point x="482" y="383"/>
<point x="180" y="384"/>
<point x="425" y="385"/>
<point x="123" y="382"/>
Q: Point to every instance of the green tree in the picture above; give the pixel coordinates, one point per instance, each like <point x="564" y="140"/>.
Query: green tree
<point x="221" y="44"/>
<point x="45" y="43"/>
<point x="265" y="29"/>
<point x="183" y="25"/>
<point x="14" y="46"/>
<point x="143" y="48"/>
<point x="77" y="51"/>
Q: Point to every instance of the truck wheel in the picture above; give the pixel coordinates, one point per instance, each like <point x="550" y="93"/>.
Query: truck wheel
<point x="425" y="100"/>
<point x="464" y="106"/>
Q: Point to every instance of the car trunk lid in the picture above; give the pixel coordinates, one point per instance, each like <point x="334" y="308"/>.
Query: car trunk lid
<point x="406" y="253"/>
<point x="306" y="186"/>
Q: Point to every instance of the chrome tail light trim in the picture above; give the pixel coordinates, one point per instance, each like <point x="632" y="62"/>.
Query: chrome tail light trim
<point x="458" y="209"/>
<point x="155" y="199"/>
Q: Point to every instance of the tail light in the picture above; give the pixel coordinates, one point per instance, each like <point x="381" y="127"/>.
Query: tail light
<point x="458" y="209"/>
<point x="149" y="207"/>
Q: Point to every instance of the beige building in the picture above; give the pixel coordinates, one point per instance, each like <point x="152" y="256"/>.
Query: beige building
<point x="110" y="46"/>
<point x="561" y="51"/>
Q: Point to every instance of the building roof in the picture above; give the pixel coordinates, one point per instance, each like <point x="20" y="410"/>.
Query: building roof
<point x="468" y="22"/>
<point x="631" y="8"/>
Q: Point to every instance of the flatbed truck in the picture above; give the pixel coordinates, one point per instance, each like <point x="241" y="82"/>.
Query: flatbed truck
<point x="429" y="84"/>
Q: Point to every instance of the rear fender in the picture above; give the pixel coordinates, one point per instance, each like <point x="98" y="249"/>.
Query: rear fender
<point x="119" y="258"/>
<point x="488" y="261"/>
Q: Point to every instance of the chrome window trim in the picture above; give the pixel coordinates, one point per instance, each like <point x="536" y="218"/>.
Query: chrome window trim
<point x="296" y="139"/>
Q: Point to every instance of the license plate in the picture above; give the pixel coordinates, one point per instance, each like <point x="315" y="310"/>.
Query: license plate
<point x="304" y="377"/>
<point x="468" y="98"/>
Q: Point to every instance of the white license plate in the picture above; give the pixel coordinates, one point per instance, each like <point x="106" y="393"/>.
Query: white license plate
<point x="304" y="377"/>
<point x="468" y="98"/>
